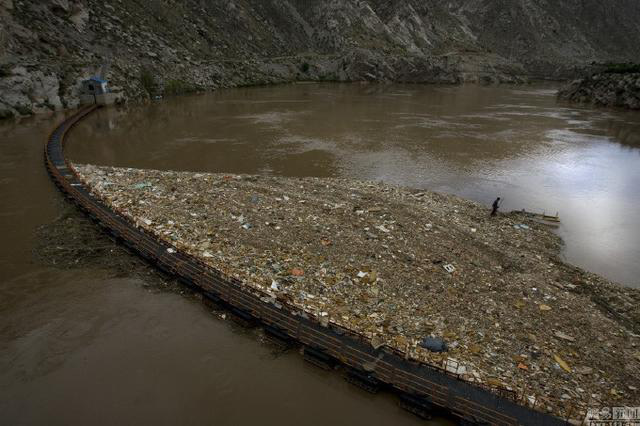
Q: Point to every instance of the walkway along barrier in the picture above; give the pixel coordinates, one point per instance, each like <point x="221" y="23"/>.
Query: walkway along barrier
<point x="421" y="387"/>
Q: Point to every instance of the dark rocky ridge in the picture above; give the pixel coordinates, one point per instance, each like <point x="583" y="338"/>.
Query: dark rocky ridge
<point x="610" y="90"/>
<point x="48" y="46"/>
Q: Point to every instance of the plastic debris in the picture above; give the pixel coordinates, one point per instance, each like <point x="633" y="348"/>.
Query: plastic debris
<point x="297" y="272"/>
<point x="562" y="363"/>
<point x="383" y="229"/>
<point x="584" y="370"/>
<point x="564" y="336"/>
<point x="434" y="344"/>
<point x="142" y="185"/>
<point x="371" y="258"/>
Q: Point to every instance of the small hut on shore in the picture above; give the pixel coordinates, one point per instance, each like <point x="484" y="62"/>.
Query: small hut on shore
<point x="96" y="91"/>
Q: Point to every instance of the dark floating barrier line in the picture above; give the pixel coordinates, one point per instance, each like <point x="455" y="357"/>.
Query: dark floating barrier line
<point x="421" y="387"/>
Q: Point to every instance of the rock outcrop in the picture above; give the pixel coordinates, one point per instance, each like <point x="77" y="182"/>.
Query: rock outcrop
<point x="156" y="46"/>
<point x="611" y="90"/>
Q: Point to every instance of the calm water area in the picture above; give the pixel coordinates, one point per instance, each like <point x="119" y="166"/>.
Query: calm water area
<point x="78" y="346"/>
<point x="477" y="142"/>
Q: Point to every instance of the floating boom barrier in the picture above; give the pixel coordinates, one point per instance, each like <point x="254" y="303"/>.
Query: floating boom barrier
<point x="422" y="388"/>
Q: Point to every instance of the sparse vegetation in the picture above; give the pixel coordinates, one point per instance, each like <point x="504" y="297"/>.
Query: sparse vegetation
<point x="209" y="44"/>
<point x="625" y="68"/>
<point x="148" y="81"/>
<point x="6" y="113"/>
<point x="178" y="87"/>
<point x="24" y="109"/>
<point x="619" y="86"/>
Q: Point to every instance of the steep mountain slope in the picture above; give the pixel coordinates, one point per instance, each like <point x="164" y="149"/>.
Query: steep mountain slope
<point x="149" y="46"/>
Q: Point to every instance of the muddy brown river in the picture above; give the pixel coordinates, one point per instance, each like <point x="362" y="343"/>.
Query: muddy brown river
<point x="85" y="345"/>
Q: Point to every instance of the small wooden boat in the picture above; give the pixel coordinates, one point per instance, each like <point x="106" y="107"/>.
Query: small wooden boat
<point x="544" y="218"/>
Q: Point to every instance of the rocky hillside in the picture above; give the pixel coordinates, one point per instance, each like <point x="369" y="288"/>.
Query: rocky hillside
<point x="607" y="89"/>
<point x="150" y="47"/>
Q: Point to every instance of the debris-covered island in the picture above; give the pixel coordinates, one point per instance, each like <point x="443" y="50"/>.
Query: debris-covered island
<point x="429" y="274"/>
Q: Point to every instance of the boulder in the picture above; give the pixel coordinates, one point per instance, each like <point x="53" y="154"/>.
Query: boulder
<point x="6" y="4"/>
<point x="24" y="92"/>
<point x="60" y="7"/>
<point x="79" y="17"/>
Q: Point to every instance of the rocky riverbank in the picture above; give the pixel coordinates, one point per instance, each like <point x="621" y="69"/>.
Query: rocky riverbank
<point x="428" y="274"/>
<point x="161" y="47"/>
<point x="607" y="89"/>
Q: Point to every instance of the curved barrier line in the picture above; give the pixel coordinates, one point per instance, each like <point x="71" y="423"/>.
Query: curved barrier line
<point x="420" y="385"/>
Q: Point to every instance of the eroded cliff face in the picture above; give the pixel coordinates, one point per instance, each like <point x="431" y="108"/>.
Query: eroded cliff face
<point x="608" y="90"/>
<point x="154" y="46"/>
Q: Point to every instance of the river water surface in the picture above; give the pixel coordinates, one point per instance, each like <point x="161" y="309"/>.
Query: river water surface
<point x="78" y="346"/>
<point x="476" y="142"/>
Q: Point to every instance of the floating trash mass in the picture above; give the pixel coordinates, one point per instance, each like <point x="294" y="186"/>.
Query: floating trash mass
<point x="379" y="260"/>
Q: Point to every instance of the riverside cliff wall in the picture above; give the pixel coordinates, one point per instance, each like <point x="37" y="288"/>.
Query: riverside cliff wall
<point x="151" y="47"/>
<point x="611" y="90"/>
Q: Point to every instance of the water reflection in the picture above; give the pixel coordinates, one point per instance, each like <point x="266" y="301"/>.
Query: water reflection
<point x="478" y="142"/>
<point x="79" y="345"/>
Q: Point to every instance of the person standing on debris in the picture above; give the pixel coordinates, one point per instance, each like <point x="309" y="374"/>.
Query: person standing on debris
<point x="496" y="206"/>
